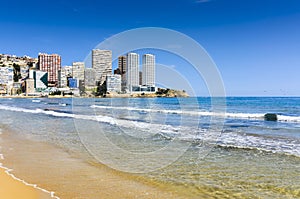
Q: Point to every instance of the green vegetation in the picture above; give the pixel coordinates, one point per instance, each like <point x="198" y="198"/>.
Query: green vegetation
<point x="17" y="72"/>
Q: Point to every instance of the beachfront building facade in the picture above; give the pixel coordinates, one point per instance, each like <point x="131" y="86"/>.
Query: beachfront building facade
<point x="50" y="64"/>
<point x="68" y="70"/>
<point x="78" y="71"/>
<point x="132" y="71"/>
<point x="102" y="64"/>
<point x="122" y="68"/>
<point x="89" y="77"/>
<point x="62" y="79"/>
<point x="113" y="83"/>
<point x="148" y="70"/>
<point x="6" y="75"/>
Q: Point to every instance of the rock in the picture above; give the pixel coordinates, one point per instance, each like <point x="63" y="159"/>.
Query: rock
<point x="270" y="117"/>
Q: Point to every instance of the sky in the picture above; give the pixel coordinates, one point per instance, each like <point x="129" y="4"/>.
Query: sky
<point x="254" y="43"/>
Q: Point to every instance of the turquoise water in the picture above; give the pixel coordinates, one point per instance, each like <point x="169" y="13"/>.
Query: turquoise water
<point x="183" y="142"/>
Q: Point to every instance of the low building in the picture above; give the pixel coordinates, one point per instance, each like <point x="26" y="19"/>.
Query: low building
<point x="6" y="75"/>
<point x="30" y="88"/>
<point x="62" y="79"/>
<point x="90" y="77"/>
<point x="72" y="83"/>
<point x="113" y="83"/>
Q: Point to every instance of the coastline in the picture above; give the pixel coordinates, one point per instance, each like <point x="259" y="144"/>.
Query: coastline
<point x="53" y="168"/>
<point x="12" y="187"/>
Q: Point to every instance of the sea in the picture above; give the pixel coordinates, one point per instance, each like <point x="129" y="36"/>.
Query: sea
<point x="197" y="146"/>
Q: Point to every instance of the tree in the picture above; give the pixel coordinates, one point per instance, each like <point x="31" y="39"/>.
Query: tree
<point x="101" y="89"/>
<point x="17" y="72"/>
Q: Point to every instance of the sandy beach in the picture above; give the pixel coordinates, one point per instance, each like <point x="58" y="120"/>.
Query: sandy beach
<point x="55" y="170"/>
<point x="11" y="188"/>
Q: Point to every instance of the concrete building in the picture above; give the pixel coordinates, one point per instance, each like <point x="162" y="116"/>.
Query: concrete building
<point x="140" y="78"/>
<point x="6" y="75"/>
<point x="113" y="83"/>
<point x="78" y="71"/>
<point x="30" y="89"/>
<point x="148" y="78"/>
<point x="89" y="77"/>
<point x="102" y="64"/>
<point x="73" y="83"/>
<point x="132" y="71"/>
<point x="40" y="79"/>
<point x="50" y="64"/>
<point x="122" y="68"/>
<point x="62" y="78"/>
<point x="68" y="70"/>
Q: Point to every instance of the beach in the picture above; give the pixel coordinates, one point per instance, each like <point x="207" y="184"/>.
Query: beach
<point x="60" y="145"/>
<point x="12" y="188"/>
<point x="54" y="169"/>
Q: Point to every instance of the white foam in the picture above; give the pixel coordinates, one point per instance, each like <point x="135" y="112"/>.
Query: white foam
<point x="8" y="172"/>
<point x="256" y="116"/>
<point x="275" y="145"/>
<point x="284" y="118"/>
<point x="189" y="133"/>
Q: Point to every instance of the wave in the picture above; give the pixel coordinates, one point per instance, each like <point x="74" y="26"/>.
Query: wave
<point x="36" y="100"/>
<point x="246" y="141"/>
<point x="190" y="134"/>
<point x="255" y="116"/>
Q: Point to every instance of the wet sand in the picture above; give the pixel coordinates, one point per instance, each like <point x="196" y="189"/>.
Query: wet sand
<point x="55" y="170"/>
<point x="11" y="188"/>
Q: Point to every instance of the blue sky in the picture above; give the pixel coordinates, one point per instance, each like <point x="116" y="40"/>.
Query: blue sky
<point x="254" y="43"/>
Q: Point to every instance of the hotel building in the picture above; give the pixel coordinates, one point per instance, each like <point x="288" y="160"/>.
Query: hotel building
<point x="132" y="71"/>
<point x="148" y="70"/>
<point x="102" y="64"/>
<point x="50" y="64"/>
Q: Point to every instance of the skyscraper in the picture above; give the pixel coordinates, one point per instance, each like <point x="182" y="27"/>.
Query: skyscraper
<point x="148" y="78"/>
<point x="102" y="63"/>
<point x="50" y="64"/>
<point x="122" y="69"/>
<point x="132" y="71"/>
<point x="122" y="64"/>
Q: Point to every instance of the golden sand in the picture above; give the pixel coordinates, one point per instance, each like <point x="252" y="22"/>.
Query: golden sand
<point x="56" y="170"/>
<point x="11" y="188"/>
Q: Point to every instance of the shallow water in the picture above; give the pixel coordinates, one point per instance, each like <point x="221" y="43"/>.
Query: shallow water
<point x="174" y="141"/>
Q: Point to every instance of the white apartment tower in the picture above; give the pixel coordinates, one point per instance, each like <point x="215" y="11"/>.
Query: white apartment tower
<point x="148" y="71"/>
<point x="102" y="63"/>
<point x="132" y="71"/>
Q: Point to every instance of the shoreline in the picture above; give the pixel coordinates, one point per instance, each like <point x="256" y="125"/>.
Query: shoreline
<point x="70" y="176"/>
<point x="13" y="187"/>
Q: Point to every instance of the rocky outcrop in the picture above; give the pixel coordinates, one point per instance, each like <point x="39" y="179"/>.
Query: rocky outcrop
<point x="270" y="117"/>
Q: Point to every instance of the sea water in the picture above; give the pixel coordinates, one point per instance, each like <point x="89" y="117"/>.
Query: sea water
<point x="181" y="142"/>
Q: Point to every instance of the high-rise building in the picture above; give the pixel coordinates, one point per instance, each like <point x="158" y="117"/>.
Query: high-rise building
<point x="78" y="71"/>
<point x="140" y="78"/>
<point x="148" y="78"/>
<point x="50" y="64"/>
<point x="132" y="71"/>
<point x="102" y="64"/>
<point x="122" y="71"/>
<point x="122" y="64"/>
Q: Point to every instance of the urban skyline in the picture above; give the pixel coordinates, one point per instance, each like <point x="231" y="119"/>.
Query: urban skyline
<point x="46" y="72"/>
